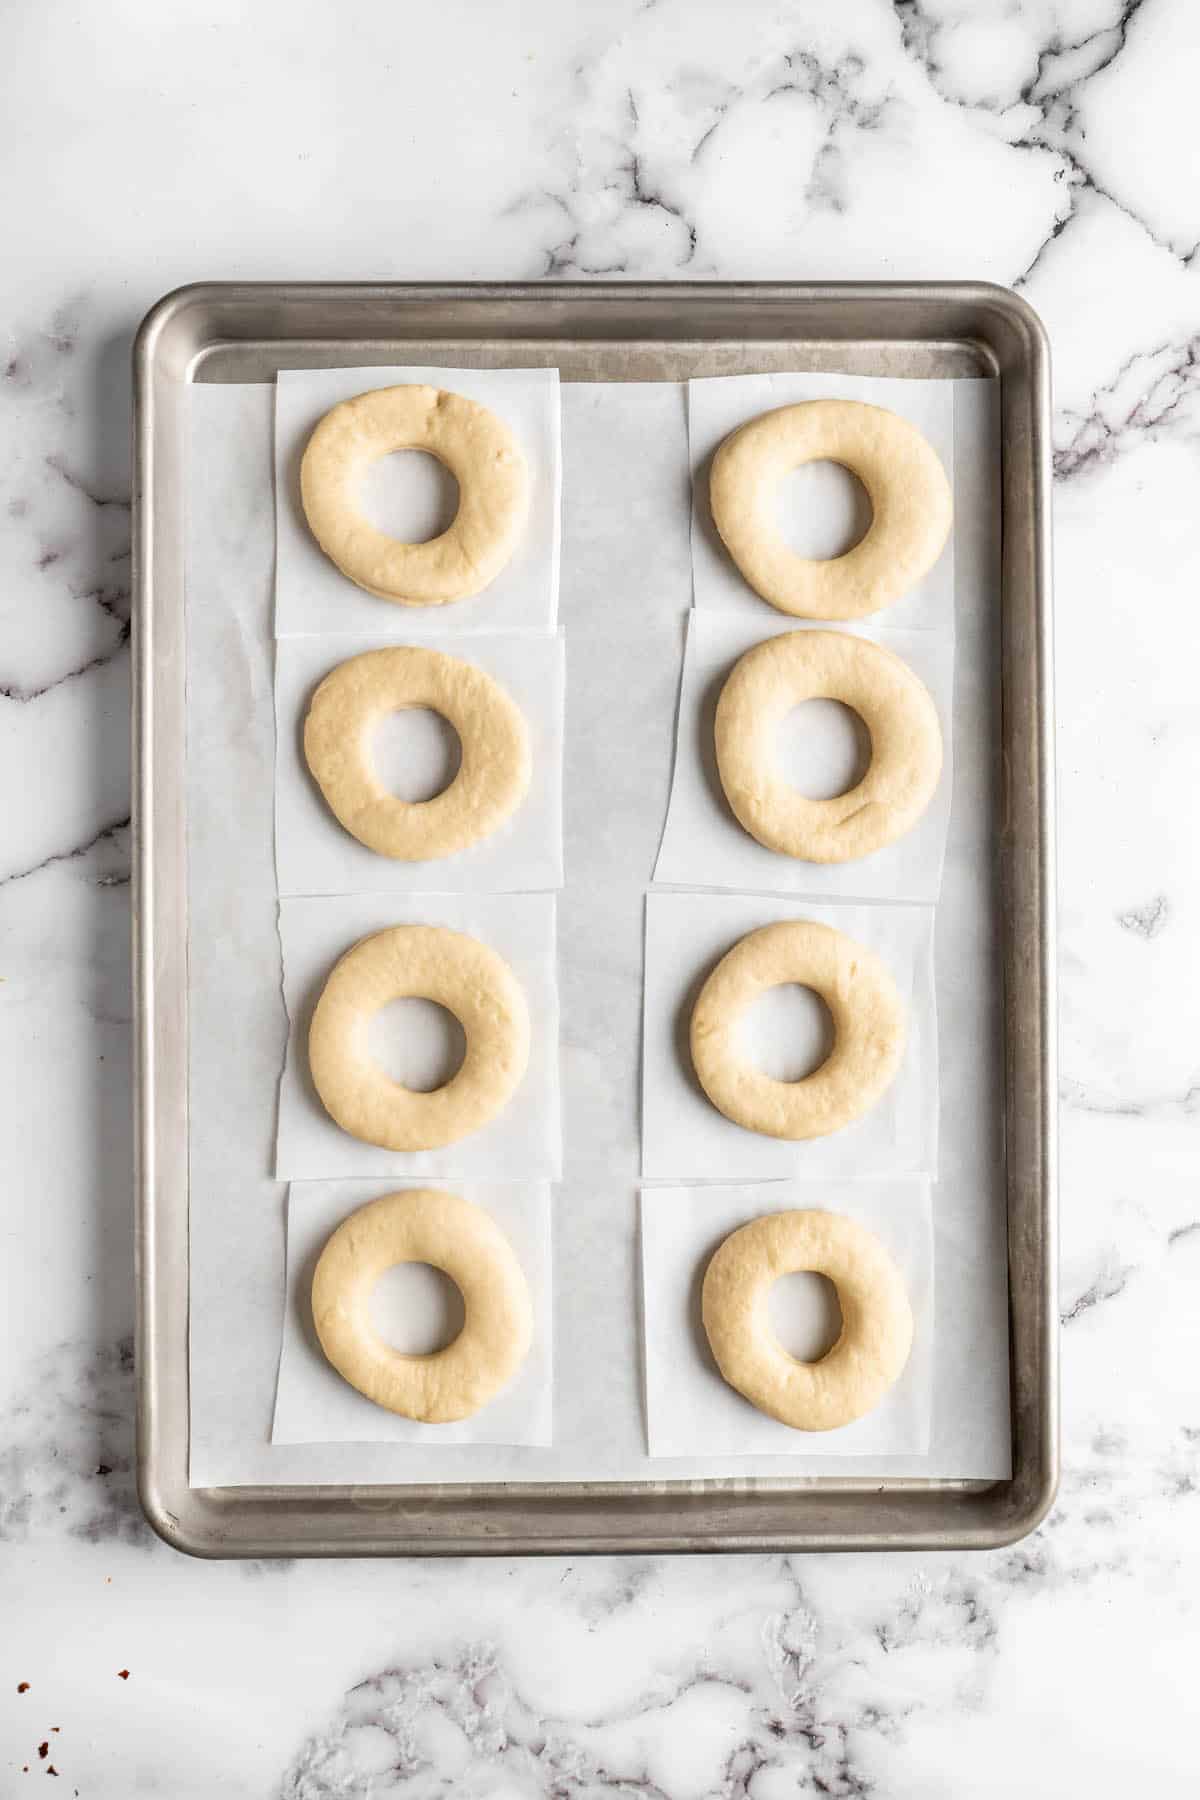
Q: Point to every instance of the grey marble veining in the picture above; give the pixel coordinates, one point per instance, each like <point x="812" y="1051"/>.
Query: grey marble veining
<point x="1043" y="143"/>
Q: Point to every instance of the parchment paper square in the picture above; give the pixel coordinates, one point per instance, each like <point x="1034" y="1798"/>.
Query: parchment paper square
<point x="703" y="844"/>
<point x="314" y="854"/>
<point x="691" y="1410"/>
<point x="312" y="595"/>
<point x="685" y="1138"/>
<point x="314" y="1405"/>
<point x="523" y="1141"/>
<point x="719" y="404"/>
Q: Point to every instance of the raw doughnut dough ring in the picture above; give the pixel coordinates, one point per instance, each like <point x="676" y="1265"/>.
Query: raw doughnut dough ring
<point x="480" y="452"/>
<point x="426" y="1226"/>
<point x="877" y="1326"/>
<point x="431" y="963"/>
<point x="868" y="1023"/>
<point x="895" y="707"/>
<point x="904" y="479"/>
<point x="493" y="775"/>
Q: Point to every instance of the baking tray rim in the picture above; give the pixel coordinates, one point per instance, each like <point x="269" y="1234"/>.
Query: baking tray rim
<point x="648" y="1516"/>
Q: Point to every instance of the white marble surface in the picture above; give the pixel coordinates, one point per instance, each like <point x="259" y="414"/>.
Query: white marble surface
<point x="1047" y="143"/>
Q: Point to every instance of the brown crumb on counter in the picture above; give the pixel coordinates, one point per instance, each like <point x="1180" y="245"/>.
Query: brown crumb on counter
<point x="123" y="1674"/>
<point x="22" y="1687"/>
<point x="50" y="1769"/>
<point x="44" y="1749"/>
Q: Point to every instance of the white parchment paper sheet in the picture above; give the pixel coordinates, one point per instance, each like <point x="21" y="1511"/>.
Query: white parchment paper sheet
<point x="313" y="1405"/>
<point x="314" y="854"/>
<point x="685" y="1138"/>
<point x="718" y="404"/>
<point x="312" y="595"/>
<point x="690" y="1409"/>
<point x="703" y="844"/>
<point x="626" y="586"/>
<point x="523" y="1141"/>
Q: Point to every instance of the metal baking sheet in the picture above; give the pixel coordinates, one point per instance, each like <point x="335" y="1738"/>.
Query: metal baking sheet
<point x="605" y="332"/>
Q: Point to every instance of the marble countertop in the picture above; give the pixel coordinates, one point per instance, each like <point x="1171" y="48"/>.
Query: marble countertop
<point x="1040" y="143"/>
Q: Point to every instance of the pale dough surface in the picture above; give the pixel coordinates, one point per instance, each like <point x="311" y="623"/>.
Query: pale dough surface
<point x="473" y="443"/>
<point x="432" y="963"/>
<point x="910" y="501"/>
<point x="868" y="1023"/>
<point x="493" y="775"/>
<point x="894" y="705"/>
<point x="877" y="1327"/>
<point x="427" y="1226"/>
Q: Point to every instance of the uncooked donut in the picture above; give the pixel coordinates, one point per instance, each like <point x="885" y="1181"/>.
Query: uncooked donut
<point x="904" y="479"/>
<point x="900" y="717"/>
<point x="431" y="963"/>
<point x="868" y="1023"/>
<point x="480" y="452"/>
<point x="877" y="1325"/>
<point x="426" y="1226"/>
<point x="493" y="775"/>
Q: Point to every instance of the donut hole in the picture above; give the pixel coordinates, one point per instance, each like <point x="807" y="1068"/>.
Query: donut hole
<point x="786" y="1033"/>
<point x="805" y="1315"/>
<point x="417" y="1043"/>
<point x="410" y="495"/>
<point x="415" y="753"/>
<point x="822" y="748"/>
<point x="416" y="1309"/>
<point x="822" y="510"/>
